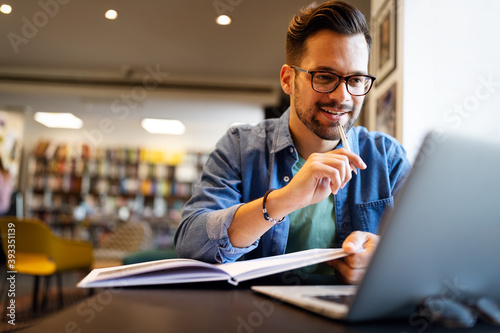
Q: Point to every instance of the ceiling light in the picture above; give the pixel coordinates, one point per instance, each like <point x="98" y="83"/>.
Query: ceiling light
<point x="223" y="20"/>
<point x="58" y="120"/>
<point x="6" y="9"/>
<point x="111" y="14"/>
<point x="163" y="126"/>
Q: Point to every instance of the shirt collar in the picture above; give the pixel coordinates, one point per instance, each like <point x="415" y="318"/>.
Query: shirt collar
<point x="282" y="137"/>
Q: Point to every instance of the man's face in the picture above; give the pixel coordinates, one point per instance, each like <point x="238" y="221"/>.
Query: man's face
<point x="321" y="112"/>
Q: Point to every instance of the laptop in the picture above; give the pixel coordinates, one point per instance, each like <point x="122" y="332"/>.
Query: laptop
<point x="441" y="239"/>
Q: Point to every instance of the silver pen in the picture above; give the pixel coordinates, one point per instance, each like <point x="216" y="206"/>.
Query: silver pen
<point x="346" y="145"/>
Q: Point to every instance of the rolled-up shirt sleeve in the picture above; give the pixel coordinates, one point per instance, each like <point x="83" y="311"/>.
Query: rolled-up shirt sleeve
<point x="202" y="232"/>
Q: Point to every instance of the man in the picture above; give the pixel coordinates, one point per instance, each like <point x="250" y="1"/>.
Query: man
<point x="317" y="201"/>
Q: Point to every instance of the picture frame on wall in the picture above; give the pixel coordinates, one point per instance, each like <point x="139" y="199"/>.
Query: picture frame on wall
<point x="384" y="36"/>
<point x="386" y="115"/>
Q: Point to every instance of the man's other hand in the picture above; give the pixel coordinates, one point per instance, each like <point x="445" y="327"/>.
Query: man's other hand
<point x="360" y="246"/>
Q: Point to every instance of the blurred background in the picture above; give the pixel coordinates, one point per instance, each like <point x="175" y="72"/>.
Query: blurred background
<point x="436" y="64"/>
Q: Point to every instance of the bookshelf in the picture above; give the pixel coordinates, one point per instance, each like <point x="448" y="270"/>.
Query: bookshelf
<point x="82" y="193"/>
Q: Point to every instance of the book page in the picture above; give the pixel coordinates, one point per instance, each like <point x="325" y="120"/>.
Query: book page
<point x="188" y="270"/>
<point x="171" y="271"/>
<point x="250" y="269"/>
<point x="168" y="276"/>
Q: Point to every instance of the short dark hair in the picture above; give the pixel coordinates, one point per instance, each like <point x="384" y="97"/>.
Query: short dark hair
<point x="336" y="16"/>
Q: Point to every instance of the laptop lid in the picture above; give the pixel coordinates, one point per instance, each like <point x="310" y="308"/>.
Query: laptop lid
<point x="442" y="237"/>
<point x="440" y="240"/>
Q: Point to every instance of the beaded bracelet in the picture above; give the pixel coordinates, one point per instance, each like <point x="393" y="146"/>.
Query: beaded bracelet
<point x="264" y="210"/>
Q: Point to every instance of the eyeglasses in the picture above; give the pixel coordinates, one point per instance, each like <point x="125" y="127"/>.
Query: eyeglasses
<point x="326" y="82"/>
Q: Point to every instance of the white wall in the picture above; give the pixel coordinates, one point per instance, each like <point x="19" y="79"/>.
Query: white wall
<point x="451" y="68"/>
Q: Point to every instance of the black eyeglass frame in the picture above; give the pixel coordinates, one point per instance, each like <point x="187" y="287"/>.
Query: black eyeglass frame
<point x="341" y="78"/>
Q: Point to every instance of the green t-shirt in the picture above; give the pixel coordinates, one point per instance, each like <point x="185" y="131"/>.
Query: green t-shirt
<point x="312" y="227"/>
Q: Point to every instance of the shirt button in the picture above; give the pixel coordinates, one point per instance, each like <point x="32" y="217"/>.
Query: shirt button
<point x="286" y="178"/>
<point x="291" y="150"/>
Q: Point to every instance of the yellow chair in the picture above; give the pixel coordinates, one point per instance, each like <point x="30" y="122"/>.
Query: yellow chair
<point x="39" y="252"/>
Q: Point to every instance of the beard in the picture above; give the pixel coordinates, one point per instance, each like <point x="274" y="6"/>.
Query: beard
<point x="329" y="131"/>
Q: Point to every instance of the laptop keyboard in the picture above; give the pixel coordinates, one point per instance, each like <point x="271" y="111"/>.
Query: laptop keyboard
<point x="341" y="299"/>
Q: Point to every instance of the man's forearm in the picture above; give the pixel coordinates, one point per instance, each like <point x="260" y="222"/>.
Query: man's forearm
<point x="249" y="223"/>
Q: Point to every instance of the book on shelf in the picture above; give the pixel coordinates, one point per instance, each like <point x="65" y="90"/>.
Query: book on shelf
<point x="169" y="271"/>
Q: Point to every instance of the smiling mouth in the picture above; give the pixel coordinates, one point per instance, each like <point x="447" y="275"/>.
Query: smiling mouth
<point x="334" y="113"/>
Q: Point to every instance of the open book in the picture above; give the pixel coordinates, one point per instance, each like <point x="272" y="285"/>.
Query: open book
<point x="187" y="270"/>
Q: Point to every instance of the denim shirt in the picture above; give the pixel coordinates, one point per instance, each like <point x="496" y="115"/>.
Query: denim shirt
<point x="249" y="160"/>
